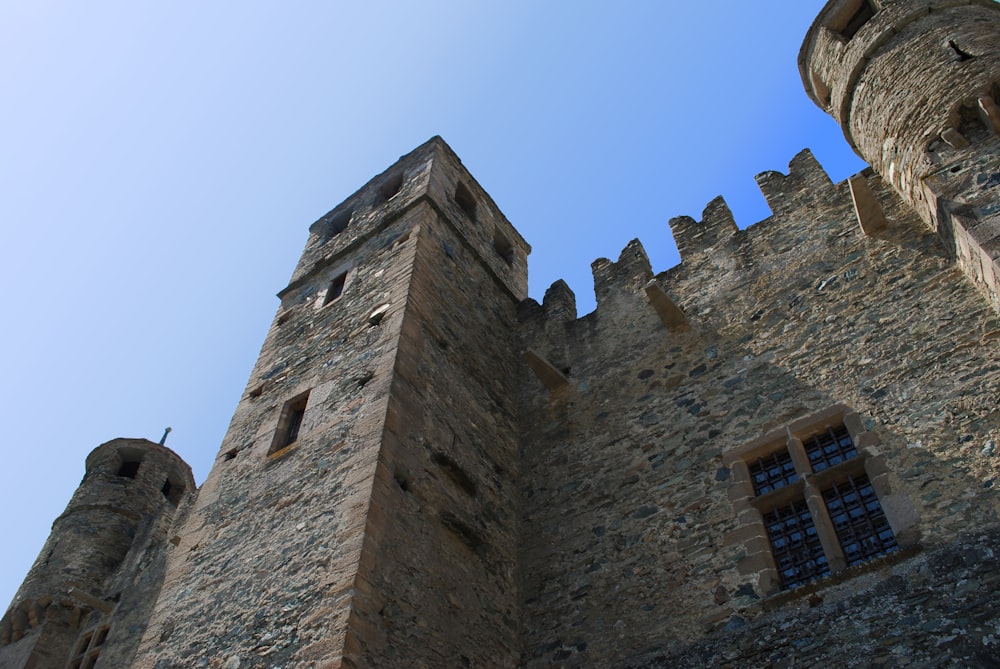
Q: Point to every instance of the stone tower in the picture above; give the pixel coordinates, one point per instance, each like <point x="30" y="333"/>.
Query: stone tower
<point x="915" y="86"/>
<point x="783" y="451"/>
<point x="97" y="575"/>
<point x="362" y="508"/>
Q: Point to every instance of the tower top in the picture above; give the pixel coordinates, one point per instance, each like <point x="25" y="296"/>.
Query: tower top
<point x="898" y="74"/>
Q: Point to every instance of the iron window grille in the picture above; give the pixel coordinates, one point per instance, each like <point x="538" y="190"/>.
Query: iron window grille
<point x="830" y="448"/>
<point x="809" y="504"/>
<point x="772" y="472"/>
<point x="858" y="519"/>
<point x="795" y="543"/>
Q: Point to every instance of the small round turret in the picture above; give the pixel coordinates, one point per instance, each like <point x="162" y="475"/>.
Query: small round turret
<point x="899" y="74"/>
<point x="128" y="482"/>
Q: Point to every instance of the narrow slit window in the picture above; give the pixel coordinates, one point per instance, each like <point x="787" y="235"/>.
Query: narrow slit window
<point x="465" y="200"/>
<point x="336" y="288"/>
<point x="504" y="248"/>
<point x="290" y="423"/>
<point x="294" y="424"/>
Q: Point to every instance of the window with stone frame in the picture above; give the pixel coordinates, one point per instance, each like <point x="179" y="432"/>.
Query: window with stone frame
<point x="809" y="499"/>
<point x="88" y="648"/>
<point x="335" y="289"/>
<point x="289" y="424"/>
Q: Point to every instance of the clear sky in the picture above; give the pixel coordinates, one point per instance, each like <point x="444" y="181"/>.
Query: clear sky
<point x="160" y="164"/>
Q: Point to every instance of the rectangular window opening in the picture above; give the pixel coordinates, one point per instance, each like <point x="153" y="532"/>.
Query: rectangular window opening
<point x="336" y="288"/>
<point x="290" y="423"/>
<point x="858" y="520"/>
<point x="772" y="472"/>
<point x="465" y="200"/>
<point x="861" y="16"/>
<point x="173" y="492"/>
<point x="129" y="469"/>
<point x="504" y="248"/>
<point x="830" y="448"/>
<point x="846" y="525"/>
<point x="795" y="543"/>
<point x="390" y="188"/>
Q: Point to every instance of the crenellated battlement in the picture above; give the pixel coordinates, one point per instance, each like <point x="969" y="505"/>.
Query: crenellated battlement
<point x="712" y="250"/>
<point x="742" y="460"/>
<point x="716" y="225"/>
<point x="806" y="181"/>
<point x="631" y="271"/>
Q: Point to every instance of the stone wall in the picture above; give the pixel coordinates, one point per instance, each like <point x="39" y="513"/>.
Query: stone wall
<point x="263" y="572"/>
<point x="91" y="590"/>
<point x="633" y="533"/>
<point x="438" y="584"/>
<point x="937" y="609"/>
<point x="915" y="90"/>
<point x="386" y="526"/>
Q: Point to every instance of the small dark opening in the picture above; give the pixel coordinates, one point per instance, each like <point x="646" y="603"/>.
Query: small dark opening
<point x="229" y="455"/>
<point x="294" y="423"/>
<point x="290" y="423"/>
<point x="102" y="636"/>
<point x="129" y="469"/>
<point x="865" y="12"/>
<point x="172" y="491"/>
<point x="504" y="248"/>
<point x="336" y="288"/>
<point x="466" y="534"/>
<point x="338" y="223"/>
<point x="465" y="200"/>
<point x="970" y="124"/>
<point x="391" y="187"/>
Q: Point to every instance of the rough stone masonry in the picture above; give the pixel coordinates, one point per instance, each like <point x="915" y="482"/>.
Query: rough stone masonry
<point x="782" y="452"/>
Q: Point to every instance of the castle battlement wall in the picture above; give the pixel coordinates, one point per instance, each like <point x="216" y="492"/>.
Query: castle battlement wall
<point x="714" y="246"/>
<point x="782" y="451"/>
<point x="636" y="530"/>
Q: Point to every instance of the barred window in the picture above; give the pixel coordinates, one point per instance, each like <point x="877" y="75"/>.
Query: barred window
<point x="858" y="520"/>
<point x="772" y="472"/>
<point x="830" y="448"/>
<point x="796" y="545"/>
<point x="819" y="510"/>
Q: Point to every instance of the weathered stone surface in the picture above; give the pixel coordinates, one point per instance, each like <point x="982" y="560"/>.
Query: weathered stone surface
<point x="427" y="469"/>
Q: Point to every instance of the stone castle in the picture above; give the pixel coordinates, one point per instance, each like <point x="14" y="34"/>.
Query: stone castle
<point x="783" y="451"/>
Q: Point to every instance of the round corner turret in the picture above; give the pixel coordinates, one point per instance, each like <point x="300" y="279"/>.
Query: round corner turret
<point x="897" y="75"/>
<point x="154" y="467"/>
<point x="129" y="487"/>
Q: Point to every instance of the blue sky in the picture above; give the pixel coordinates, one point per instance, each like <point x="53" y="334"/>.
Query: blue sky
<point x="160" y="164"/>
